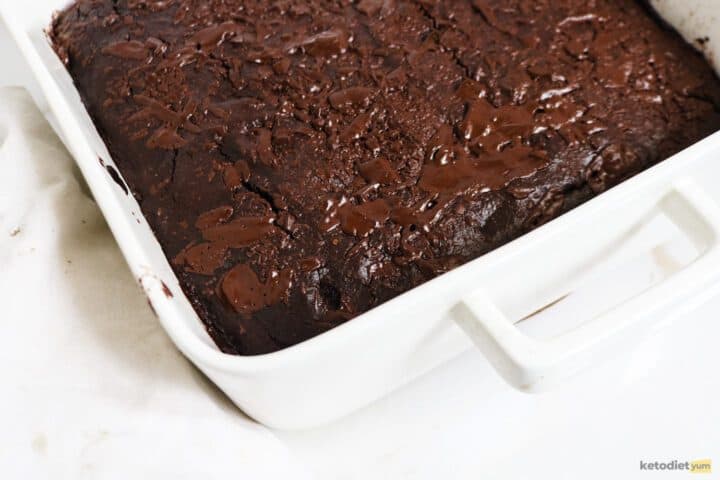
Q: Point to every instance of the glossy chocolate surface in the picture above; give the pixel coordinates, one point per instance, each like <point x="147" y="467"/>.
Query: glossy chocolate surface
<point x="303" y="161"/>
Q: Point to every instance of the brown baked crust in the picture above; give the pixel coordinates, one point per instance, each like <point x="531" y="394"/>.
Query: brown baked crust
<point x="303" y="161"/>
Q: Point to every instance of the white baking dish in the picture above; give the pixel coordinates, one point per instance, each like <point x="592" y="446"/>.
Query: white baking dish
<point x="331" y="375"/>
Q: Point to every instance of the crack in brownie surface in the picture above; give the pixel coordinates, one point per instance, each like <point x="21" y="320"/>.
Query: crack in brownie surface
<point x="303" y="161"/>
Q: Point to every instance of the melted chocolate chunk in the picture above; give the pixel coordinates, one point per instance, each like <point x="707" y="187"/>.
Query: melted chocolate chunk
<point x="302" y="161"/>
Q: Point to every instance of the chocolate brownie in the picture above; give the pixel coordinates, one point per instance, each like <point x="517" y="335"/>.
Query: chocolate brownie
<point x="303" y="161"/>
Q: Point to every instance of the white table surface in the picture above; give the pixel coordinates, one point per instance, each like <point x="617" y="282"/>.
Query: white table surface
<point x="90" y="387"/>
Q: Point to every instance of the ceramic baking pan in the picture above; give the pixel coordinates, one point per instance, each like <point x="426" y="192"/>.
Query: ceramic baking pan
<point x="476" y="304"/>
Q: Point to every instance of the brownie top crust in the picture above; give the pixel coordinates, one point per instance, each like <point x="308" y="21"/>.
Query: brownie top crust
<point x="303" y="161"/>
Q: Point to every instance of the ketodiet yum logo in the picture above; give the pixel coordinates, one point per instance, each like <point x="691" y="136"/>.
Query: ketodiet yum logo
<point x="692" y="466"/>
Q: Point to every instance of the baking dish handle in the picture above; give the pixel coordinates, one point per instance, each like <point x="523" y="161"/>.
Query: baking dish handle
<point x="532" y="365"/>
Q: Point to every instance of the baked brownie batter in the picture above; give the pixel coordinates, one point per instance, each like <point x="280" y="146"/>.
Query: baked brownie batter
<point x="303" y="161"/>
